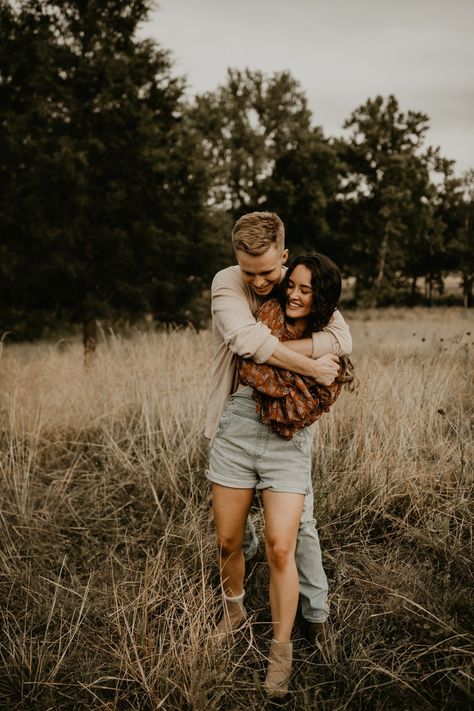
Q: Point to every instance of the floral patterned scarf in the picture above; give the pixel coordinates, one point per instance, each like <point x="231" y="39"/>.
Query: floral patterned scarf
<point x="286" y="401"/>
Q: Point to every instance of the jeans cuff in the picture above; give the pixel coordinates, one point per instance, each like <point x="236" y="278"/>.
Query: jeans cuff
<point x="320" y="618"/>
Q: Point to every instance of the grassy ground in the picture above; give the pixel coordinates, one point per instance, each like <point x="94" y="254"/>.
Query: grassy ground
<point x="108" y="584"/>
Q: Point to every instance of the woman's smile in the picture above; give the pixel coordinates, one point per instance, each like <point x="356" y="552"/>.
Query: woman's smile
<point x="299" y="293"/>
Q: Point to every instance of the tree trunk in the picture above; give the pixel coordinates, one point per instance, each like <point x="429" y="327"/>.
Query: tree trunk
<point x="89" y="340"/>
<point x="429" y="289"/>
<point x="467" y="284"/>
<point x="381" y="269"/>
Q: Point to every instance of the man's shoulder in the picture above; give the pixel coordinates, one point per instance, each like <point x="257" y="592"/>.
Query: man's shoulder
<point x="230" y="276"/>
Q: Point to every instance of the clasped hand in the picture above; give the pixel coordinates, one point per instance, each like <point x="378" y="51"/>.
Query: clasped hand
<point x="326" y="369"/>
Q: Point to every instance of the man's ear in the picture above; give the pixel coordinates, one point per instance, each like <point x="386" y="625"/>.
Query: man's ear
<point x="284" y="256"/>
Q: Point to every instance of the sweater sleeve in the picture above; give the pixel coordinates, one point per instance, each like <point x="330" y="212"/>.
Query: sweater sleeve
<point x="334" y="338"/>
<point x="242" y="333"/>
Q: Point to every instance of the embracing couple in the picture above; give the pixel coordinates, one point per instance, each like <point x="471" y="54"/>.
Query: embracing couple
<point x="280" y="347"/>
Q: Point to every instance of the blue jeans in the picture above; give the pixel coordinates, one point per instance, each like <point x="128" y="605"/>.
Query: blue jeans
<point x="312" y="578"/>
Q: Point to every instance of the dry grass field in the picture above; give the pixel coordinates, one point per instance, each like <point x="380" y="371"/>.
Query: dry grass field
<point x="108" y="581"/>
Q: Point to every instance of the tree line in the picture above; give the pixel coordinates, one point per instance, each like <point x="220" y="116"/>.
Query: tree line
<point x="118" y="194"/>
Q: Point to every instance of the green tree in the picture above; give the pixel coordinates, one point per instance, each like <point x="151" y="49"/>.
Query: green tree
<point x="457" y="211"/>
<point x="389" y="195"/>
<point x="244" y="127"/>
<point x="466" y="239"/>
<point x="104" y="203"/>
<point x="303" y="189"/>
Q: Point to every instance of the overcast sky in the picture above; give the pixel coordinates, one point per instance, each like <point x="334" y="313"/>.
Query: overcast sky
<point x="341" y="52"/>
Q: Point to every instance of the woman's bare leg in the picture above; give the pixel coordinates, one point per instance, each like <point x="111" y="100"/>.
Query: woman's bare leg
<point x="282" y="518"/>
<point x="231" y="508"/>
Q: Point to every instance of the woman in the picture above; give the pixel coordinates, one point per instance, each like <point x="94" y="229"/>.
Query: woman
<point x="264" y="442"/>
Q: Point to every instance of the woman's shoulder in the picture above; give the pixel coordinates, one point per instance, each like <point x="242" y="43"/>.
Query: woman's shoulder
<point x="270" y="307"/>
<point x="271" y="314"/>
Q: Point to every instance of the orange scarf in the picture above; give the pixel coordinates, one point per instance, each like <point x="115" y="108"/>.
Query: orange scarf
<point x="286" y="401"/>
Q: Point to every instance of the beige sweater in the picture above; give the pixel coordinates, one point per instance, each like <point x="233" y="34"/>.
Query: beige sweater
<point x="235" y="331"/>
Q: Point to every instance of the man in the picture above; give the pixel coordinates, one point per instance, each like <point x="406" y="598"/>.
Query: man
<point x="237" y="292"/>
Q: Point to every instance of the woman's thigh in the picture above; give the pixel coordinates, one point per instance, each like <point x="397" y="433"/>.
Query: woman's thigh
<point x="282" y="512"/>
<point x="231" y="508"/>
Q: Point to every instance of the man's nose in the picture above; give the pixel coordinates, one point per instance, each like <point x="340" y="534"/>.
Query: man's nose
<point x="258" y="282"/>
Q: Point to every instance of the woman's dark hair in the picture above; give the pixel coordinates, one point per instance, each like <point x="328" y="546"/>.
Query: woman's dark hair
<point x="326" y="285"/>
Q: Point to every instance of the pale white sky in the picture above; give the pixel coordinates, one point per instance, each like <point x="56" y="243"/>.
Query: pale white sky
<point x="341" y="51"/>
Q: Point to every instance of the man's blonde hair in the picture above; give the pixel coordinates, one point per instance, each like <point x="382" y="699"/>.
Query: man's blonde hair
<point x="255" y="232"/>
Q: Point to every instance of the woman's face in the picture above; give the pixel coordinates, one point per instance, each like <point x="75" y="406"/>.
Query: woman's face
<point x="299" y="293"/>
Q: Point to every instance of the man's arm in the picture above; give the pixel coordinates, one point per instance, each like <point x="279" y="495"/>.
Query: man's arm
<point x="232" y="315"/>
<point x="249" y="338"/>
<point x="323" y="369"/>
<point x="334" y="338"/>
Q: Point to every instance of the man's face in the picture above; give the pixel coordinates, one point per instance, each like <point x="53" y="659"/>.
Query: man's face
<point x="262" y="272"/>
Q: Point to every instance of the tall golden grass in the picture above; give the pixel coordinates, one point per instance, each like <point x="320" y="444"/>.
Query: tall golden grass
<point x="109" y="587"/>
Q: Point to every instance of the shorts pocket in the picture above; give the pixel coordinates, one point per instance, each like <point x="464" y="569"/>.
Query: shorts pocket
<point x="303" y="440"/>
<point x="223" y="423"/>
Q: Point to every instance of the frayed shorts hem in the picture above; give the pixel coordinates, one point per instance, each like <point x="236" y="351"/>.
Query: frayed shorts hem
<point x="258" y="485"/>
<point x="231" y="484"/>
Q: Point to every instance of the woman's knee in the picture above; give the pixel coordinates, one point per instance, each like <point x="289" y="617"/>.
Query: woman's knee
<point x="280" y="553"/>
<point x="229" y="545"/>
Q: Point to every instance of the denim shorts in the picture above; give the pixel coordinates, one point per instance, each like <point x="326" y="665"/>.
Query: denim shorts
<point x="247" y="454"/>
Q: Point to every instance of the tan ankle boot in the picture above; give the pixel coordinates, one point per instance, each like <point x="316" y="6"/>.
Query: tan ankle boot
<point x="280" y="662"/>
<point x="233" y="616"/>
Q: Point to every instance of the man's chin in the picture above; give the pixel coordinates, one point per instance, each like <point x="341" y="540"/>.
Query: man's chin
<point x="266" y="292"/>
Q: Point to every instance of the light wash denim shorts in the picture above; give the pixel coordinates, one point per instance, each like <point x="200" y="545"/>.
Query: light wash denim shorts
<point x="247" y="454"/>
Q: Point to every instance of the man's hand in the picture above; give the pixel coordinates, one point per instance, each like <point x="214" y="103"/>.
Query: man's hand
<point x="326" y="369"/>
